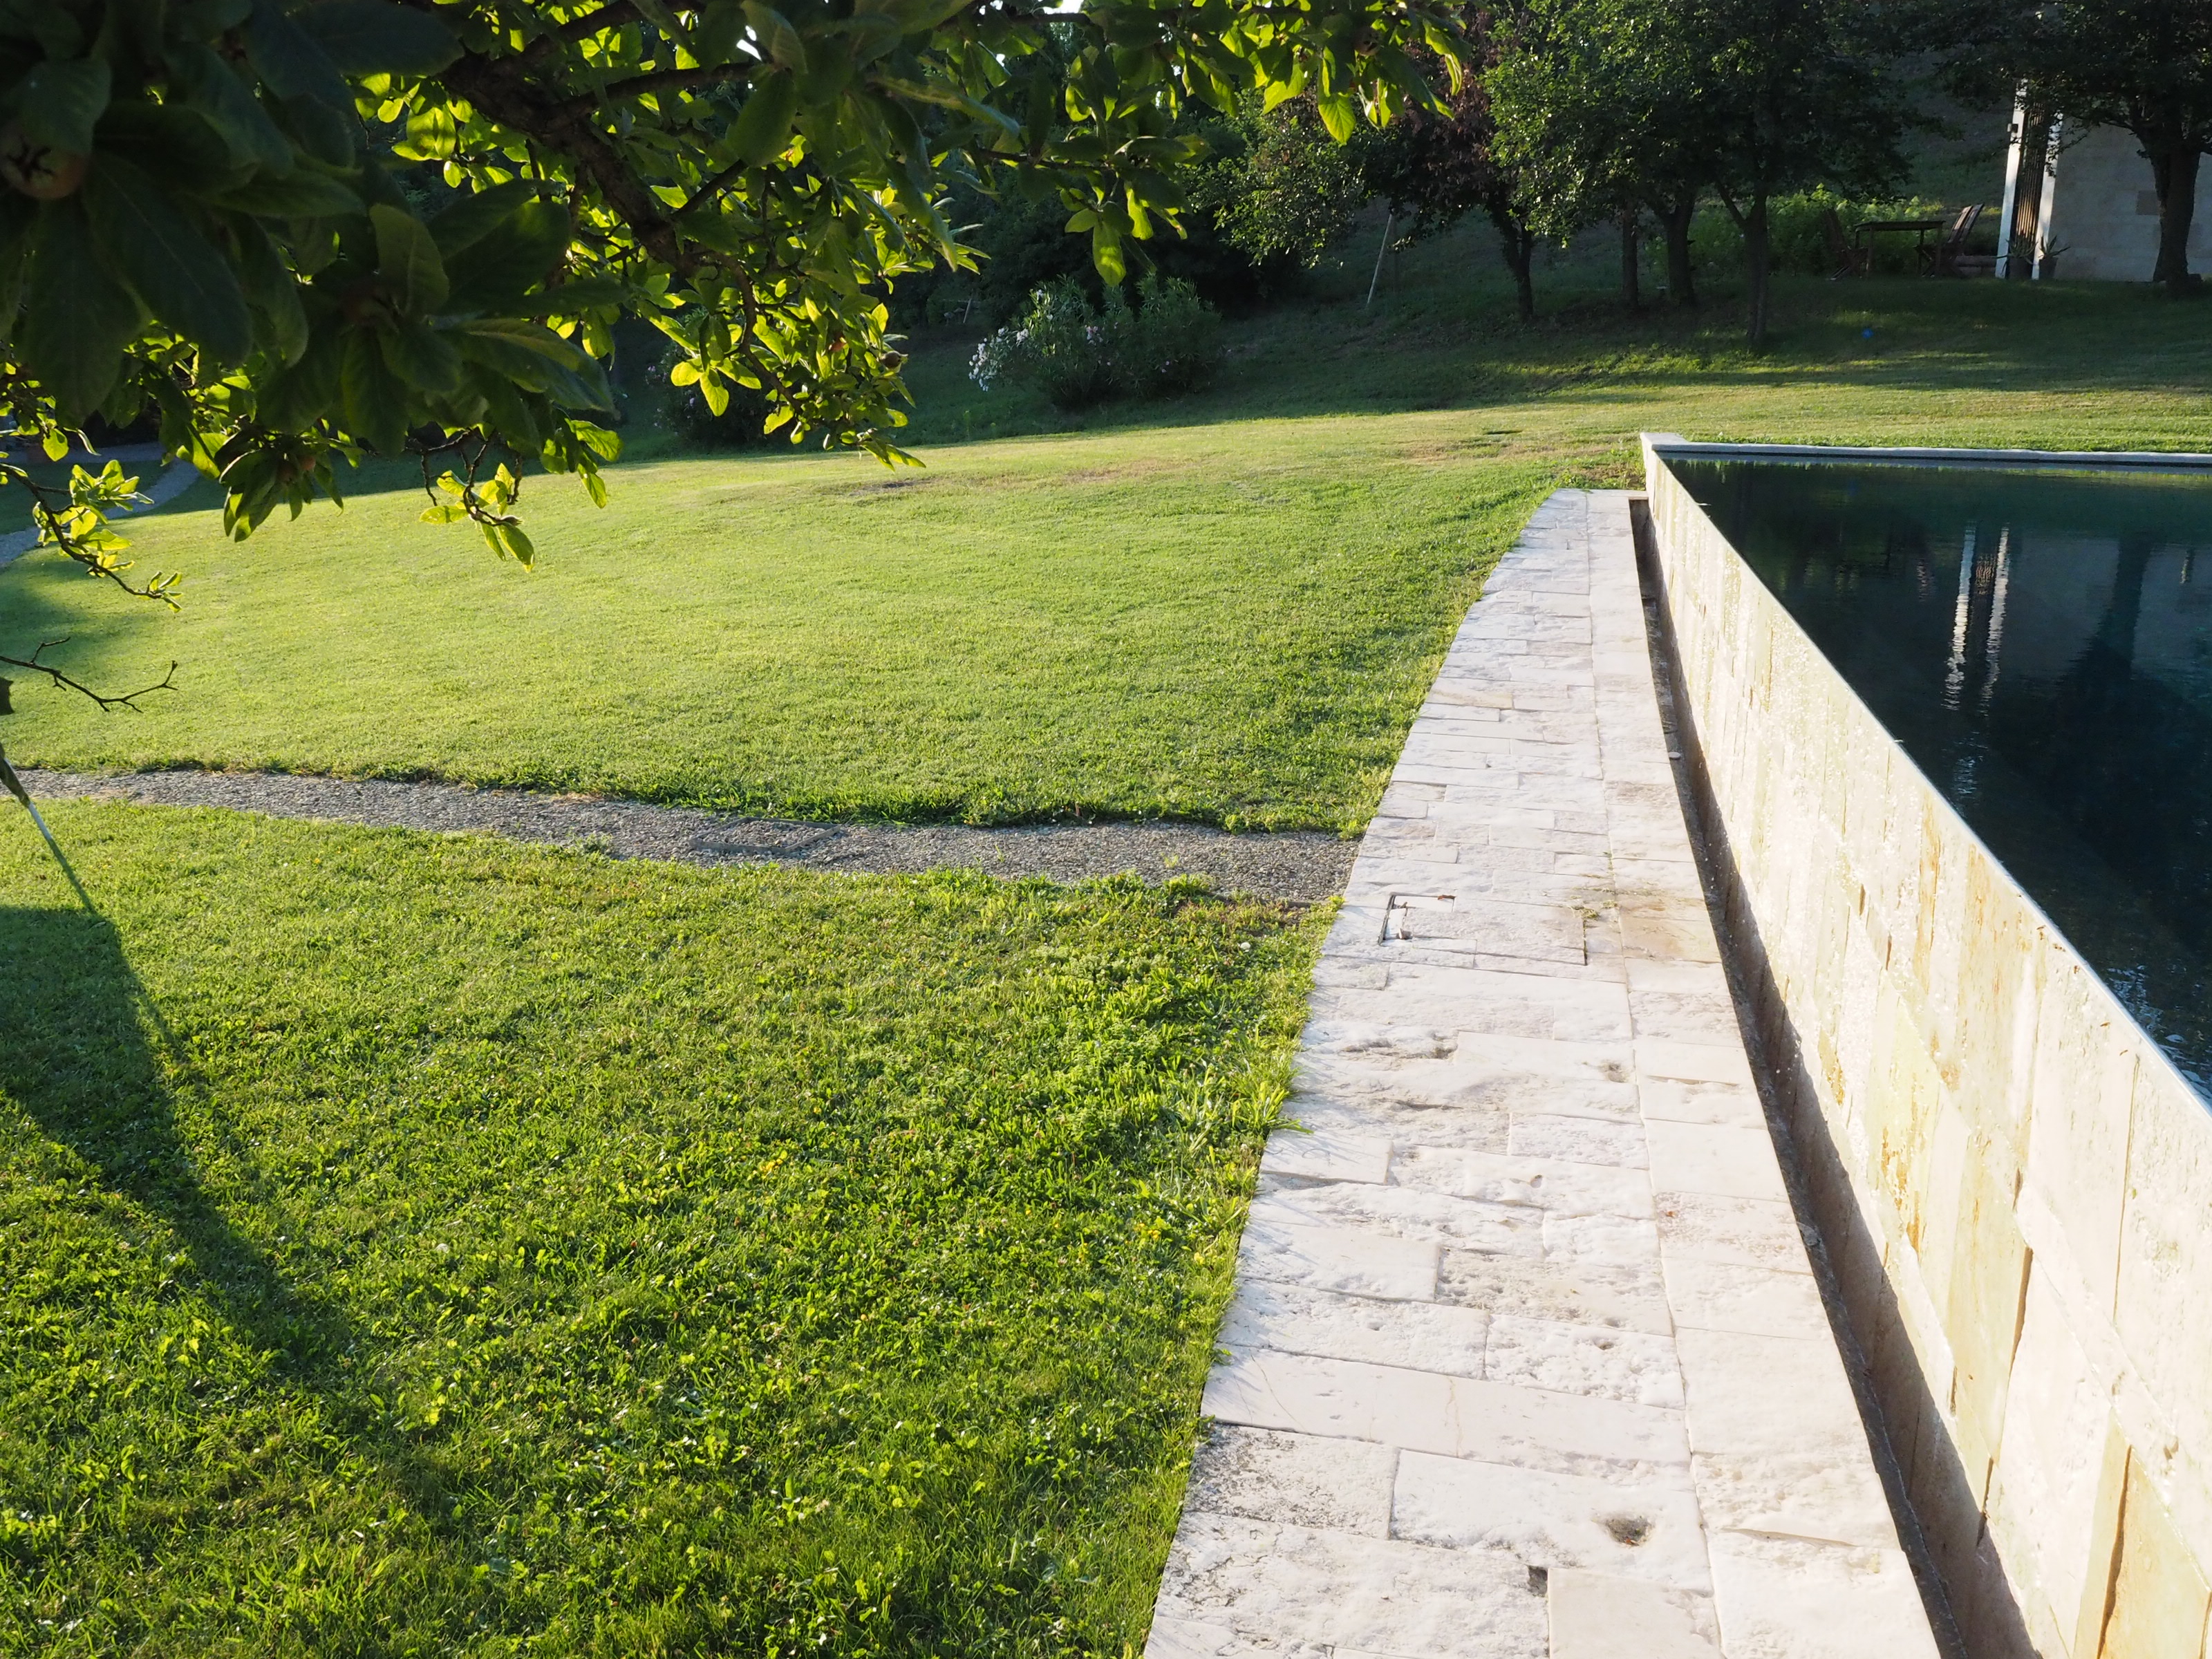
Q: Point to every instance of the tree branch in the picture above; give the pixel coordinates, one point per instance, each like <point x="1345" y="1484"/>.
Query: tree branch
<point x="53" y="524"/>
<point x="667" y="80"/>
<point x="503" y="90"/>
<point x="32" y="664"/>
<point x="713" y="188"/>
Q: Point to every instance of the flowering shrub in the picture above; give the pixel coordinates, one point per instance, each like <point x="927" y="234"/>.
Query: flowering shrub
<point x="1076" y="355"/>
<point x="1174" y="342"/>
<point x="1059" y="345"/>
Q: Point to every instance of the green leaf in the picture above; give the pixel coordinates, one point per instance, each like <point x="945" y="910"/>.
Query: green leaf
<point x="1339" y="114"/>
<point x="212" y="87"/>
<point x="567" y="300"/>
<point x="362" y="36"/>
<point x="375" y="399"/>
<point x="273" y="290"/>
<point x="292" y="62"/>
<point x="510" y="259"/>
<point x="322" y="132"/>
<point x="303" y="194"/>
<point x="763" y="125"/>
<point x="1106" y="253"/>
<point x="472" y="217"/>
<point x="518" y="545"/>
<point x="308" y="390"/>
<point x="510" y="414"/>
<point x="443" y="513"/>
<point x="59" y="103"/>
<point x="716" y="38"/>
<point x="407" y="259"/>
<point x="176" y="271"/>
<point x="174" y="144"/>
<point x="53" y="26"/>
<point x="78" y="317"/>
<point x="776" y="36"/>
<point x="423" y="357"/>
<point x="432" y="135"/>
<point x="536" y="359"/>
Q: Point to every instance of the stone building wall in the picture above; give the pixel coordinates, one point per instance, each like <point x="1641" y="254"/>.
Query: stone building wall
<point x="2013" y="1184"/>
<point x="2103" y="213"/>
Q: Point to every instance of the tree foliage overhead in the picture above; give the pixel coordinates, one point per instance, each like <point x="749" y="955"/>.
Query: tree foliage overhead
<point x="202" y="210"/>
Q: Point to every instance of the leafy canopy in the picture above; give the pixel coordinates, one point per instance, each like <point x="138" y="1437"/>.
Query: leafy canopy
<point x="205" y="209"/>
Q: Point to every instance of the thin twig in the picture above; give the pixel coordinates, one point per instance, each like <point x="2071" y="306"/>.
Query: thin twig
<point x="14" y="785"/>
<point x="128" y="700"/>
<point x="712" y="189"/>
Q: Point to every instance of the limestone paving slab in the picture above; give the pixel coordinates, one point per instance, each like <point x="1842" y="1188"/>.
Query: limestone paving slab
<point x="1525" y="1359"/>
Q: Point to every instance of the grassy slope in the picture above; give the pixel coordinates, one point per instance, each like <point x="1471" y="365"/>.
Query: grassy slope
<point x="1211" y="626"/>
<point x="1225" y="611"/>
<point x="463" y="1246"/>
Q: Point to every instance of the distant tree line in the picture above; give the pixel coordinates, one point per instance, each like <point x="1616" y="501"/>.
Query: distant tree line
<point x="1640" y="114"/>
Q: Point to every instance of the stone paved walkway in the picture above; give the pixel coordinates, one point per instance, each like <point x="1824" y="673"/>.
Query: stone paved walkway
<point x="1526" y="1358"/>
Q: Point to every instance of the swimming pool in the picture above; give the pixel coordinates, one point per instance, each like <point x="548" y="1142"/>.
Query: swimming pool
<point x="2038" y="638"/>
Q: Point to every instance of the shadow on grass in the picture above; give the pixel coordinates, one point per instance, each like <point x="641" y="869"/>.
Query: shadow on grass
<point x="81" y="1051"/>
<point x="1459" y="348"/>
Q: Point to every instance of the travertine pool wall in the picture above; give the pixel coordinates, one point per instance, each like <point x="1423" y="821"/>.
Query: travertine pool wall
<point x="2013" y="1184"/>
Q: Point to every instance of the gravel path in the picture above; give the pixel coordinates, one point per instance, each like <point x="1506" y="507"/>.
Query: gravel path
<point x="1302" y="866"/>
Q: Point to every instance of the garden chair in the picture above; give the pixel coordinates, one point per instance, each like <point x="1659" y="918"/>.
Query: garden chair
<point x="1952" y="259"/>
<point x="1847" y="260"/>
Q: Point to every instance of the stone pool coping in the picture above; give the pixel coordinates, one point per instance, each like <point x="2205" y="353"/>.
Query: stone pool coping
<point x="1526" y="1357"/>
<point x="2147" y="460"/>
<point x="2009" y="1176"/>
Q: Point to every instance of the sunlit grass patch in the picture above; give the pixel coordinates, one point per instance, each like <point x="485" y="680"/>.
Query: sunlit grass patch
<point x="414" y="1245"/>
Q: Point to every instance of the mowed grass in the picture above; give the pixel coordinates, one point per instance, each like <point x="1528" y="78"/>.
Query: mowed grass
<point x="1208" y="627"/>
<point x="1225" y="608"/>
<point x="414" y="1245"/>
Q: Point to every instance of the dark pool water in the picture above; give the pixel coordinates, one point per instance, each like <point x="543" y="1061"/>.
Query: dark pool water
<point x="2039" y="640"/>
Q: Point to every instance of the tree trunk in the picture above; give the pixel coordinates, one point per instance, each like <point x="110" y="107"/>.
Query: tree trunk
<point x="1674" y="219"/>
<point x="1755" y="267"/>
<point x="2174" y="167"/>
<point x="1518" y="244"/>
<point x="1631" y="288"/>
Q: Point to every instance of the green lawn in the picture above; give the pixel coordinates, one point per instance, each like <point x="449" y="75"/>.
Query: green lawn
<point x="415" y="1245"/>
<point x="1224" y="608"/>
